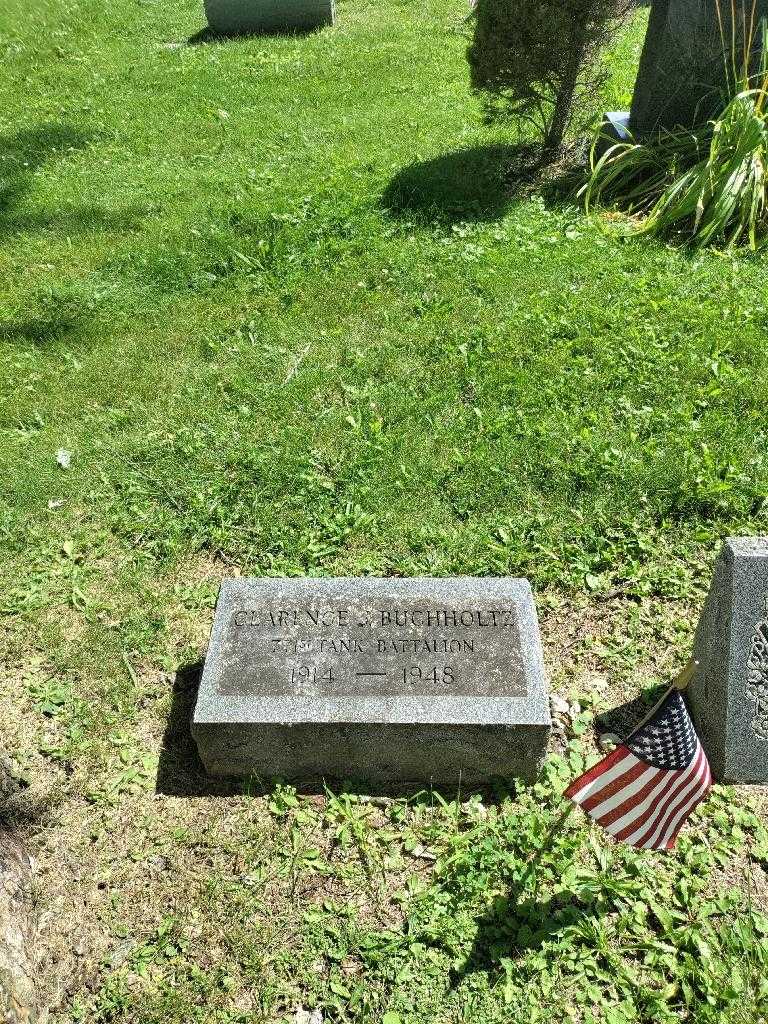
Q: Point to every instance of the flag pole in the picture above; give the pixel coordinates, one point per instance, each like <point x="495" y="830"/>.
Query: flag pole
<point x="671" y="756"/>
<point x="680" y="682"/>
<point x="546" y="842"/>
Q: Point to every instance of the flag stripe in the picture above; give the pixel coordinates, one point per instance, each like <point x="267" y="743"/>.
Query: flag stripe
<point x="581" y="787"/>
<point x="707" y="785"/>
<point x="683" y="796"/>
<point x="669" y="836"/>
<point x="698" y="788"/>
<point x="616" y="817"/>
<point x="693" y="785"/>
<point x="679" y="782"/>
<point x="631" y="829"/>
<point x="611" y="806"/>
<point x="629" y="822"/>
<point x="616" y="785"/>
<point x="684" y="780"/>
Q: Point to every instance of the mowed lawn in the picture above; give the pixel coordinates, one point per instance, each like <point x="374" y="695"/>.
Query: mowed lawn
<point x="279" y="306"/>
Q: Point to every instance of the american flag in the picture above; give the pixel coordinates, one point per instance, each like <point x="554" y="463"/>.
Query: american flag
<point x="643" y="791"/>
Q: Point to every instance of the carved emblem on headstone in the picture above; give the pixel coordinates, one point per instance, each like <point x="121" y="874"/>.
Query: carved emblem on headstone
<point x="757" y="676"/>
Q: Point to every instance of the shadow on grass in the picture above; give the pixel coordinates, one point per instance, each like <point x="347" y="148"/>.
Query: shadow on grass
<point x="207" y="35"/>
<point x="622" y="720"/>
<point x="80" y="220"/>
<point x="23" y="153"/>
<point x="479" y="183"/>
<point x="180" y="771"/>
<point x="210" y="35"/>
<point x="514" y="925"/>
<point x="37" y="331"/>
<point x="468" y="185"/>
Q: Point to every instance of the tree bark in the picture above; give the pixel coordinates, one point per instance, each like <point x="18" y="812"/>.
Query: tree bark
<point x="561" y="113"/>
<point x="17" y="935"/>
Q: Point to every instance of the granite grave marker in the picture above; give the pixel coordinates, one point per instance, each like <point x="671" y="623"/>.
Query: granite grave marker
<point x="682" y="73"/>
<point x="386" y="680"/>
<point x="728" y="695"/>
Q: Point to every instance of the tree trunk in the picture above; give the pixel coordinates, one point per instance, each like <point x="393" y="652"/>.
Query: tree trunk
<point x="561" y="113"/>
<point x="17" y="935"/>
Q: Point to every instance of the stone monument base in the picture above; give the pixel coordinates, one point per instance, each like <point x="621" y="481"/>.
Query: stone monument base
<point x="237" y="17"/>
<point x="452" y="754"/>
<point x="382" y="680"/>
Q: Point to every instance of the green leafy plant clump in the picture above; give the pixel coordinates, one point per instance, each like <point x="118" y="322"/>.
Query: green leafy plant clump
<point x="537" y="60"/>
<point x="708" y="184"/>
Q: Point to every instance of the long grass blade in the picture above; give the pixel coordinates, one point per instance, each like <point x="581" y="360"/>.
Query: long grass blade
<point x="706" y="185"/>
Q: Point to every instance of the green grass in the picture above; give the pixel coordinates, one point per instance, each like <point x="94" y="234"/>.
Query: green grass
<point x="278" y="301"/>
<point x="476" y="384"/>
<point x="703" y="185"/>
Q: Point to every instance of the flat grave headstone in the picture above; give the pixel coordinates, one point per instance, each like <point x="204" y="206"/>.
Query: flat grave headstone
<point x="385" y="680"/>
<point x="728" y="695"/>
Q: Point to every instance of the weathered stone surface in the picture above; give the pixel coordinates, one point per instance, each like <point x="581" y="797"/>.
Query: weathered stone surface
<point x="386" y="680"/>
<point x="17" y="970"/>
<point x="232" y="17"/>
<point x="728" y="695"/>
<point x="682" y="72"/>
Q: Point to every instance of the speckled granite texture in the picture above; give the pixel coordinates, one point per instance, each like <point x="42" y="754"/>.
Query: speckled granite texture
<point x="728" y="696"/>
<point x="390" y="680"/>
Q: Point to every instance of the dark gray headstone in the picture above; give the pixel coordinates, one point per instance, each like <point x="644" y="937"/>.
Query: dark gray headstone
<point x="728" y="695"/>
<point x="386" y="680"/>
<point x="232" y="17"/>
<point x="682" y="73"/>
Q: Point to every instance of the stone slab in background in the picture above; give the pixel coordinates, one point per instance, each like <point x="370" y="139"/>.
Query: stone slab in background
<point x="681" y="73"/>
<point x="234" y="17"/>
<point x="728" y="695"/>
<point x="384" y="680"/>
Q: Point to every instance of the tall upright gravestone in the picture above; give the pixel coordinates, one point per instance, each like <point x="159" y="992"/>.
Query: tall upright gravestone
<point x="682" y="71"/>
<point x="728" y="695"/>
